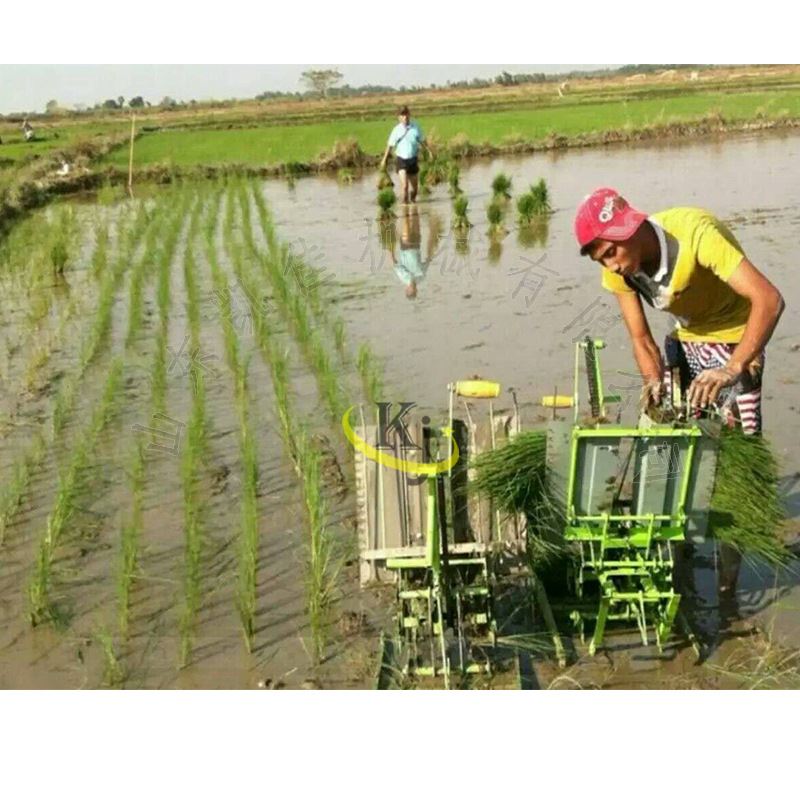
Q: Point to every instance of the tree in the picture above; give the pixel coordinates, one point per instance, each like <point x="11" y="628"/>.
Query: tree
<point x="136" y="102"/>
<point x="321" y="80"/>
<point x="110" y="104"/>
<point x="51" y="107"/>
<point x="167" y="102"/>
<point x="120" y="101"/>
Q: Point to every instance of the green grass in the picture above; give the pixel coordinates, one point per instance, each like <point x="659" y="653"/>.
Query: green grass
<point x="272" y="145"/>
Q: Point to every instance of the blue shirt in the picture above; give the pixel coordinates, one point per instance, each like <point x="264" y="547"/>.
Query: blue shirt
<point x="406" y="140"/>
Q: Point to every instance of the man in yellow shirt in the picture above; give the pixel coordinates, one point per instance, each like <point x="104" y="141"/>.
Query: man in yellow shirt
<point x="686" y="262"/>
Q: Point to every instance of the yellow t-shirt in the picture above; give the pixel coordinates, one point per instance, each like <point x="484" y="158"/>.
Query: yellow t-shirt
<point x="698" y="256"/>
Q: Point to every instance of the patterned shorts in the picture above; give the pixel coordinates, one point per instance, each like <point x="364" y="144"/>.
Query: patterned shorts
<point x="742" y="400"/>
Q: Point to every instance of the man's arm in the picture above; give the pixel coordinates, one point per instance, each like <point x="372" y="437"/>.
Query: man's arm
<point x="766" y="307"/>
<point x="645" y="349"/>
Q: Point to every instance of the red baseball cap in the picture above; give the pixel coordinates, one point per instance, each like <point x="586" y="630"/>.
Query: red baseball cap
<point x="604" y="214"/>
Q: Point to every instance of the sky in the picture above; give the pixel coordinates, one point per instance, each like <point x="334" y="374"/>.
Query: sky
<point x="29" y="87"/>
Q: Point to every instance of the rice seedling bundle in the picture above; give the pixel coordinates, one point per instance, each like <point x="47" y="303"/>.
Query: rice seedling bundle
<point x="460" y="205"/>
<point x="386" y="201"/>
<point x="501" y="186"/>
<point x="541" y="197"/>
<point x="453" y="176"/>
<point x="746" y="509"/>
<point x="526" y="208"/>
<point x="495" y="213"/>
<point x="513" y="477"/>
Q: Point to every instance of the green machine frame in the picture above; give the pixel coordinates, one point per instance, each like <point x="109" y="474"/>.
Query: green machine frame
<point x="629" y="494"/>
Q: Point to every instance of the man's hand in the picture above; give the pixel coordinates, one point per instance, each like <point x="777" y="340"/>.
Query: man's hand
<point x="707" y="385"/>
<point x="652" y="392"/>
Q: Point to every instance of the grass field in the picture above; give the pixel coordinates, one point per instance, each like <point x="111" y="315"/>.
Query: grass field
<point x="305" y="142"/>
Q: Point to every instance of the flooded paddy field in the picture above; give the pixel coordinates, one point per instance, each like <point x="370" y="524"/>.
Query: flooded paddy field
<point x="511" y="311"/>
<point x="178" y="503"/>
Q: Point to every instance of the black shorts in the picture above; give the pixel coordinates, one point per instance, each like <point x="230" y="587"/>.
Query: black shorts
<point x="410" y="165"/>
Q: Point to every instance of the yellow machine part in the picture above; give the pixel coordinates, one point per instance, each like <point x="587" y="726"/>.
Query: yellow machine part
<point x="477" y="388"/>
<point x="557" y="401"/>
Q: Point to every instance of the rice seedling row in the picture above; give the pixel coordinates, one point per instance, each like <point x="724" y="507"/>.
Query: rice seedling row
<point x="320" y="568"/>
<point x="246" y="599"/>
<point x="92" y="343"/>
<point x="41" y="606"/>
<point x="193" y="457"/>
<point x="130" y="533"/>
<point x="294" y="306"/>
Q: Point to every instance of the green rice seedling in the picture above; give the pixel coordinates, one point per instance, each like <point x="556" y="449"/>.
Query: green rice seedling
<point x="526" y="208"/>
<point x="113" y="671"/>
<point x="345" y="175"/>
<point x="321" y="571"/>
<point x="423" y="181"/>
<point x="460" y="220"/>
<point x="339" y="336"/>
<point x="294" y="305"/>
<point x="501" y="186"/>
<point x="41" y="607"/>
<point x="193" y="456"/>
<point x="14" y="489"/>
<point x="248" y="548"/>
<point x="513" y="477"/>
<point x="746" y="510"/>
<point x="495" y="213"/>
<point x="453" y="176"/>
<point x="386" y="201"/>
<point x="541" y="197"/>
<point x="437" y="170"/>
<point x="59" y="255"/>
<point x="129" y="540"/>
<point x="370" y="374"/>
<point x="137" y="283"/>
<point x="100" y="254"/>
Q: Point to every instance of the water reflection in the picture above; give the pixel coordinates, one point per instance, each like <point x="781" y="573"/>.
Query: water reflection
<point x="534" y="234"/>
<point x="495" y="250"/>
<point x="409" y="265"/>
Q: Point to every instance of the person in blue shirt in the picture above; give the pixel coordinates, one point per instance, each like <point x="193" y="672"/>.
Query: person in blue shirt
<point x="406" y="138"/>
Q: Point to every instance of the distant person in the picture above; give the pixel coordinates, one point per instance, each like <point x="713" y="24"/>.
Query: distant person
<point x="409" y="267"/>
<point x="686" y="262"/>
<point x="406" y="138"/>
<point x="27" y="131"/>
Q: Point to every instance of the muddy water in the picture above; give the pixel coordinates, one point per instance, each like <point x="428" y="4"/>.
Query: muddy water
<point x="511" y="312"/>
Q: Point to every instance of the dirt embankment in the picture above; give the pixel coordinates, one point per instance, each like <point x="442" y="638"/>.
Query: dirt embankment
<point x="60" y="172"/>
